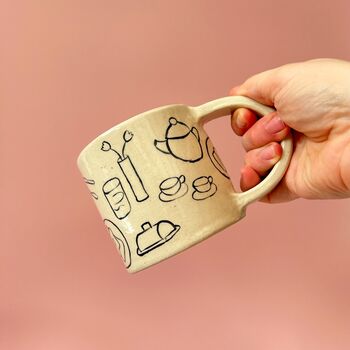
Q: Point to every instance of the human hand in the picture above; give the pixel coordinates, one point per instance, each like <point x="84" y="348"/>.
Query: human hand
<point x="312" y="98"/>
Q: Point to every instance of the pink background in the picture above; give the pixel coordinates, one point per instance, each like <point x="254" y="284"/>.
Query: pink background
<point x="280" y="279"/>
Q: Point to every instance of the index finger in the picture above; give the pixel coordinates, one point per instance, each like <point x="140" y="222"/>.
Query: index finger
<point x="262" y="87"/>
<point x="241" y="120"/>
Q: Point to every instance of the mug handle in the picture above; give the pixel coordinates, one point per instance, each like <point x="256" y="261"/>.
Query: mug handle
<point x="225" y="106"/>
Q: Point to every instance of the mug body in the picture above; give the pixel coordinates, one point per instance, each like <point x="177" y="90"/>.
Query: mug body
<point x="126" y="169"/>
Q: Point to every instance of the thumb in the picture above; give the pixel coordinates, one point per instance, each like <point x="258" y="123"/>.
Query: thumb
<point x="262" y="87"/>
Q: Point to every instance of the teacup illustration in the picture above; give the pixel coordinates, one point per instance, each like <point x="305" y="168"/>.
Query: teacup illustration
<point x="172" y="188"/>
<point x="204" y="187"/>
<point x="154" y="236"/>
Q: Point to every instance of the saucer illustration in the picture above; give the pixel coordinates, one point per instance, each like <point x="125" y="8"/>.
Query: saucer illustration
<point x="215" y="159"/>
<point x="204" y="187"/>
<point x="154" y="236"/>
<point x="173" y="188"/>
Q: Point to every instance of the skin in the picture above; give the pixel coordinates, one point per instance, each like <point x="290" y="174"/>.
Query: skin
<point x="312" y="101"/>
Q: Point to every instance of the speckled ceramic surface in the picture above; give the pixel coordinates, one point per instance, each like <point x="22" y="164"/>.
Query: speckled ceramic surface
<point x="159" y="184"/>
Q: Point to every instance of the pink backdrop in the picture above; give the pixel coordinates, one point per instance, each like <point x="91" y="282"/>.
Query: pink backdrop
<point x="70" y="69"/>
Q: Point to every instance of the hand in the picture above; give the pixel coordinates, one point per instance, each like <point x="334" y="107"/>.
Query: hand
<point x="313" y="99"/>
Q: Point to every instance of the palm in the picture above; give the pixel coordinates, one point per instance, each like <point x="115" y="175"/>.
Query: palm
<point x="322" y="123"/>
<point x="316" y="169"/>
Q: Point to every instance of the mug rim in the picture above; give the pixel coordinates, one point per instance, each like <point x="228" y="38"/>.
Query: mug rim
<point x="123" y="124"/>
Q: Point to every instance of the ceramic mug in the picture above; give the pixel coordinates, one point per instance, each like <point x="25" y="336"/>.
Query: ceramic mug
<point x="172" y="188"/>
<point x="160" y="185"/>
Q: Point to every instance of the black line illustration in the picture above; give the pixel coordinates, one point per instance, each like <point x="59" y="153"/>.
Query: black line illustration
<point x="128" y="168"/>
<point x="91" y="182"/>
<point x="116" y="197"/>
<point x="204" y="187"/>
<point x="215" y="159"/>
<point x="173" y="188"/>
<point x="120" y="240"/>
<point x="181" y="142"/>
<point x="154" y="236"/>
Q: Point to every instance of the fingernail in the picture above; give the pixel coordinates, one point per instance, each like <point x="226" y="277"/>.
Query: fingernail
<point x="268" y="153"/>
<point x="240" y="121"/>
<point x="275" y="125"/>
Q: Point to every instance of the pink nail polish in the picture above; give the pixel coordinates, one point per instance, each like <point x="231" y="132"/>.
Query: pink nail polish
<point x="275" y="125"/>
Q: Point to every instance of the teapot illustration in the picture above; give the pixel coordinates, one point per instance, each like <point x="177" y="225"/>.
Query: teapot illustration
<point x="181" y="142"/>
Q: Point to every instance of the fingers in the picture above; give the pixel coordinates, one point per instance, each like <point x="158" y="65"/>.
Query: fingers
<point x="242" y="119"/>
<point x="267" y="129"/>
<point x="260" y="139"/>
<point x="249" y="178"/>
<point x="257" y="163"/>
<point x="261" y="87"/>
<point x="257" y="133"/>
<point x="264" y="158"/>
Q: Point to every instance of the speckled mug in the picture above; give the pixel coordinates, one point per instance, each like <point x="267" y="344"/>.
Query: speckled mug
<point x="128" y="167"/>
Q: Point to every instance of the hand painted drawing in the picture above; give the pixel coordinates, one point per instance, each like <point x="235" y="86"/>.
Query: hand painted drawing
<point x="120" y="241"/>
<point x="128" y="168"/>
<point x="215" y="159"/>
<point x="116" y="197"/>
<point x="204" y="187"/>
<point x="154" y="236"/>
<point x="181" y="141"/>
<point x="91" y="182"/>
<point x="173" y="188"/>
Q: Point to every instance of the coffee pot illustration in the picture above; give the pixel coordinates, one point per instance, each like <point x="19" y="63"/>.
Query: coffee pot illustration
<point x="181" y="141"/>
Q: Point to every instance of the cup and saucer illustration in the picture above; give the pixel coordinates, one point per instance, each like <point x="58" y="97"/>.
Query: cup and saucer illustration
<point x="153" y="236"/>
<point x="204" y="187"/>
<point x="173" y="188"/>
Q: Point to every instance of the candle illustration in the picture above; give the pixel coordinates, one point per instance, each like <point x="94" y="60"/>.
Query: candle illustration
<point x="127" y="167"/>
